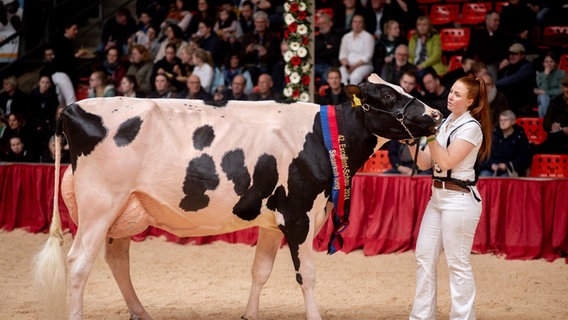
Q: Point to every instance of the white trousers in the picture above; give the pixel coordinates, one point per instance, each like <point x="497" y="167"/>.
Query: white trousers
<point x="64" y="88"/>
<point x="357" y="75"/>
<point x="449" y="223"/>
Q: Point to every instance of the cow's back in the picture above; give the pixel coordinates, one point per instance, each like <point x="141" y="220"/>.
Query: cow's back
<point x="185" y="163"/>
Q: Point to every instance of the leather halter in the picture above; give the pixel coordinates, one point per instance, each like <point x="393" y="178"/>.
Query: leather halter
<point x="397" y="114"/>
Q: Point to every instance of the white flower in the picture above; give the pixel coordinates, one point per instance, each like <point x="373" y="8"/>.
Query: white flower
<point x="294" y="46"/>
<point x="288" y="55"/>
<point x="287" y="91"/>
<point x="306" y="67"/>
<point x="302" y="29"/>
<point x="302" y="52"/>
<point x="286" y="6"/>
<point x="287" y="70"/>
<point x="295" y="78"/>
<point x="304" y="96"/>
<point x="289" y="18"/>
<point x="302" y="6"/>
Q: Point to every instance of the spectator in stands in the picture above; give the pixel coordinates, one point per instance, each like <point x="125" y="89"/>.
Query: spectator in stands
<point x="489" y="45"/>
<point x="209" y="41"/>
<point x="409" y="83"/>
<point x="167" y="64"/>
<point x="141" y="67"/>
<point x="12" y="99"/>
<point x="265" y="89"/>
<point x="48" y="155"/>
<point x="556" y="123"/>
<point x="129" y="87"/>
<point x="344" y="14"/>
<point x="99" y="85"/>
<point x="393" y="70"/>
<point x="326" y="48"/>
<point x="356" y="52"/>
<point x="42" y="108"/>
<point x="246" y="21"/>
<point x="144" y="24"/>
<point x="260" y="47"/>
<point x="194" y="90"/>
<point x="517" y="22"/>
<point x="224" y="76"/>
<point x="479" y="68"/>
<point x="386" y="45"/>
<point x="203" y="68"/>
<point x="179" y="15"/>
<point x="335" y="94"/>
<point x="66" y="58"/>
<point x="401" y="160"/>
<point x="204" y="11"/>
<point x="425" y="48"/>
<point x="449" y="78"/>
<point x="61" y="81"/>
<point x="436" y="95"/>
<point x="114" y="66"/>
<point x="117" y="31"/>
<point x="236" y="92"/>
<point x="16" y="128"/>
<point x="406" y="12"/>
<point x="226" y="25"/>
<point x="510" y="156"/>
<point x="374" y="17"/>
<point x="163" y="88"/>
<point x="548" y="82"/>
<point x="183" y="70"/>
<point x="497" y="101"/>
<point x="516" y="80"/>
<point x="174" y="36"/>
<point x="18" y="151"/>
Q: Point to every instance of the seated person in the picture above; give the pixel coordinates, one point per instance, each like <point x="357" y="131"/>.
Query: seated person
<point x="265" y="89"/>
<point x="236" y="92"/>
<point x="18" y="151"/>
<point x="465" y="69"/>
<point x="556" y="123"/>
<point x="334" y="95"/>
<point x="435" y="95"/>
<point x="510" y="154"/>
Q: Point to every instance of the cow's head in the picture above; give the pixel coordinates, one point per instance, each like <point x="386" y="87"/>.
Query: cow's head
<point x="390" y="112"/>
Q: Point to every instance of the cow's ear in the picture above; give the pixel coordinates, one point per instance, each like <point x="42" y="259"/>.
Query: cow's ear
<point x="354" y="94"/>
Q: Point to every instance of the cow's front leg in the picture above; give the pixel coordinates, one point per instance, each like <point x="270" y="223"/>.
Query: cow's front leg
<point x="266" y="248"/>
<point x="117" y="256"/>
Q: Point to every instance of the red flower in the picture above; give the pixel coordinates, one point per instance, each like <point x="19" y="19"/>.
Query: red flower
<point x="287" y="79"/>
<point x="286" y="34"/>
<point x="293" y="27"/>
<point x="294" y="7"/>
<point x="295" y="93"/>
<point x="302" y="15"/>
<point x="296" y="61"/>
<point x="306" y="80"/>
<point x="305" y="40"/>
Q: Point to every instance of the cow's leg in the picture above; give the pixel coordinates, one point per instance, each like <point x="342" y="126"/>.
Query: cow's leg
<point x="80" y="259"/>
<point x="117" y="256"/>
<point x="266" y="248"/>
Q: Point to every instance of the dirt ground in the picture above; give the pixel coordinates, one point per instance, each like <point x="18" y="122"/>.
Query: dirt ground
<point x="212" y="281"/>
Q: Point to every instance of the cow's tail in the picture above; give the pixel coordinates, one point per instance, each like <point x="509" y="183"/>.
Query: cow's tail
<point x="50" y="267"/>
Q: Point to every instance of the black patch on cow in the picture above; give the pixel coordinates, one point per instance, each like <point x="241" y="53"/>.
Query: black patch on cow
<point x="203" y="137"/>
<point x="127" y="131"/>
<point x="233" y="164"/>
<point x="83" y="131"/>
<point x="215" y="103"/>
<point x="200" y="176"/>
<point x="265" y="178"/>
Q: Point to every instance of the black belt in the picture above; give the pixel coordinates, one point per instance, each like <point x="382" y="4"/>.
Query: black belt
<point x="449" y="185"/>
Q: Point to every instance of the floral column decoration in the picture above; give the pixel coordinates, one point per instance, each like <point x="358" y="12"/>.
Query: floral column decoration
<point x="298" y="66"/>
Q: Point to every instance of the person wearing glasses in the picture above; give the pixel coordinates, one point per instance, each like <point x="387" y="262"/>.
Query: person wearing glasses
<point x="516" y="80"/>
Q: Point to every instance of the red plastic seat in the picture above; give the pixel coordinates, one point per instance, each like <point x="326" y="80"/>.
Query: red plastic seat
<point x="563" y="62"/>
<point x="455" y="62"/>
<point x="555" y="30"/>
<point x="377" y="163"/>
<point x="554" y="37"/>
<point x="549" y="166"/>
<point x="500" y="4"/>
<point x="533" y="129"/>
<point x="441" y="14"/>
<point x="474" y="13"/>
<point x="454" y="38"/>
<point x="81" y="92"/>
<point x="322" y="88"/>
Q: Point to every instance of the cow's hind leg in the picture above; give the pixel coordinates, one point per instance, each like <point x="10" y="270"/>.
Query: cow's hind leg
<point x="117" y="256"/>
<point x="266" y="248"/>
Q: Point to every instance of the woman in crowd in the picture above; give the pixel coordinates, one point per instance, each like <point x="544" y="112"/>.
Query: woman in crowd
<point x="224" y="75"/>
<point x="141" y="67"/>
<point x="453" y="211"/>
<point x="99" y="85"/>
<point x="203" y="68"/>
<point x="425" y="47"/>
<point x="129" y="87"/>
<point x="548" y="82"/>
<point x="114" y="66"/>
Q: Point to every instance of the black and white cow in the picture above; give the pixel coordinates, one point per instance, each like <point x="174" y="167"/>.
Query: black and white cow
<point x="194" y="169"/>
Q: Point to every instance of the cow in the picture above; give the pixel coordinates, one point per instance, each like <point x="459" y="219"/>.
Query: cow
<point x="196" y="169"/>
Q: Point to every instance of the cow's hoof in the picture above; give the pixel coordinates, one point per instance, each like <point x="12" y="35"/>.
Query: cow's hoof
<point x="135" y="317"/>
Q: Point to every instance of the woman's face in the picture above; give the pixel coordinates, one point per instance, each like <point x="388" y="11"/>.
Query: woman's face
<point x="126" y="86"/>
<point x="94" y="81"/>
<point x="549" y="62"/>
<point x="234" y="61"/>
<point x="13" y="122"/>
<point x="170" y="54"/>
<point x="394" y="30"/>
<point x="135" y="56"/>
<point x="44" y="84"/>
<point x="161" y="83"/>
<point x="422" y="27"/>
<point x="112" y="56"/>
<point x="458" y="102"/>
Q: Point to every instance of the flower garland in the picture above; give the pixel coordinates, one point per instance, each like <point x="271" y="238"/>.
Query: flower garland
<point x="298" y="67"/>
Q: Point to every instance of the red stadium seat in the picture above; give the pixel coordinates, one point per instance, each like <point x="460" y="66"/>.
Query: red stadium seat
<point x="474" y="13"/>
<point x="554" y="37"/>
<point x="500" y="4"/>
<point x="322" y="89"/>
<point x="455" y="63"/>
<point x="549" y="166"/>
<point x="444" y="14"/>
<point x="377" y="163"/>
<point x="81" y="91"/>
<point x="454" y="39"/>
<point x="533" y="129"/>
<point x="563" y="62"/>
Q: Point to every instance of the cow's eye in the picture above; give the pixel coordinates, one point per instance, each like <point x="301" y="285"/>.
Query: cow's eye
<point x="388" y="96"/>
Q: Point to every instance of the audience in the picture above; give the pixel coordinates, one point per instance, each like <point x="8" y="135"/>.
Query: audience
<point x="425" y="47"/>
<point x="174" y="36"/>
<point x="12" y="99"/>
<point x="409" y="83"/>
<point x="18" y="151"/>
<point x="163" y="88"/>
<point x="516" y="80"/>
<point x="99" y="85"/>
<point x="344" y="13"/>
<point x="435" y="95"/>
<point x="466" y="64"/>
<point x="392" y="71"/>
<point x="203" y="68"/>
<point x="117" y="31"/>
<point x="114" y="66"/>
<point x="386" y="45"/>
<point x="335" y="94"/>
<point x="235" y="92"/>
<point x="141" y="67"/>
<point x="356" y="52"/>
<point x="265" y="89"/>
<point x="42" y="107"/>
<point x="510" y="156"/>
<point x="194" y="90"/>
<point x="556" y="123"/>
<point x="224" y="75"/>
<point x="548" y="82"/>
<point x="129" y="87"/>
<point x="326" y="48"/>
<point x="497" y="101"/>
